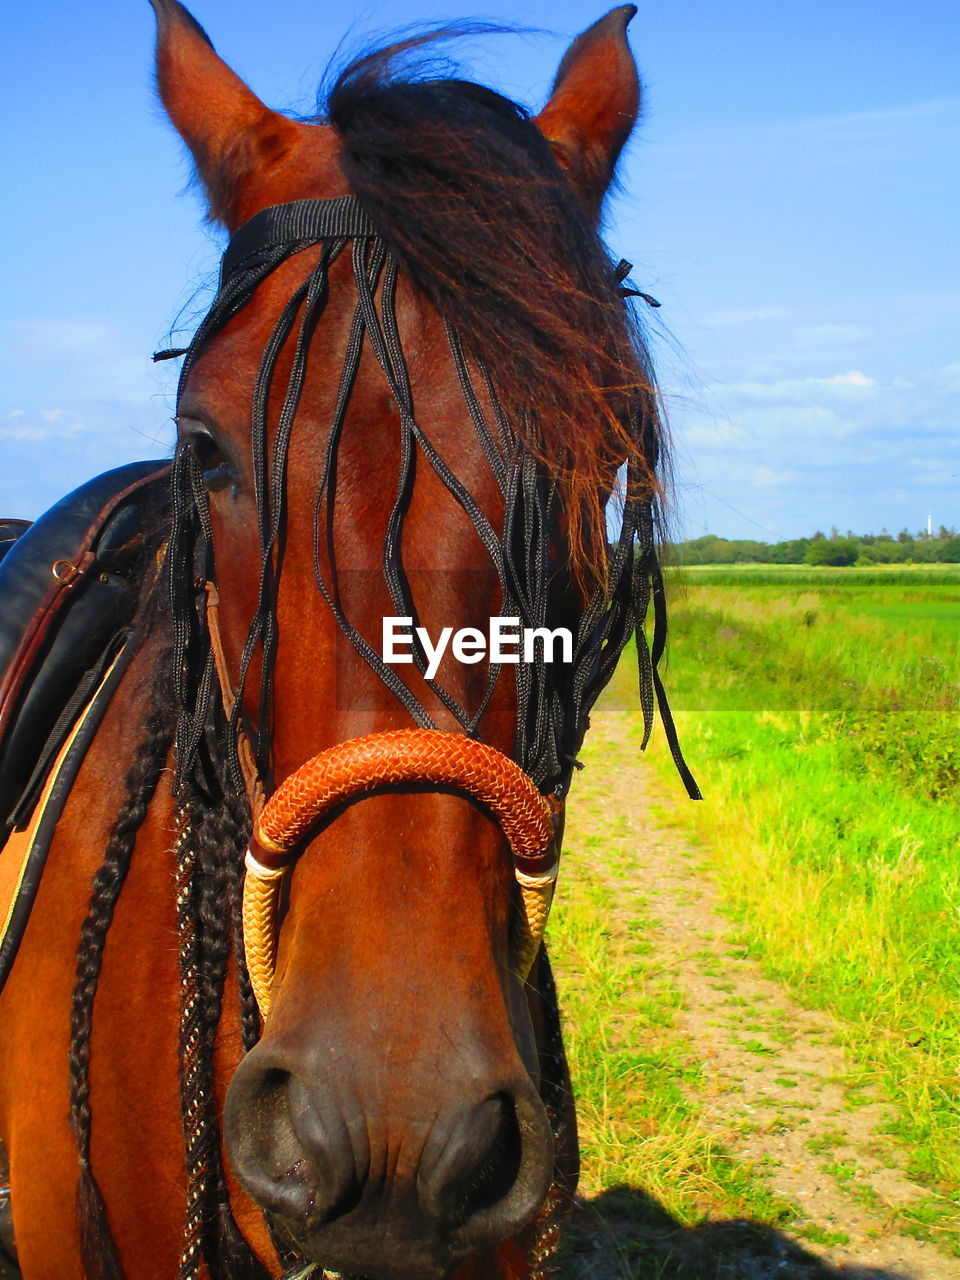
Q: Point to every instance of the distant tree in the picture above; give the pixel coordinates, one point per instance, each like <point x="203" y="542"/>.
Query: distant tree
<point x="791" y="552"/>
<point x="929" y="551"/>
<point x="888" y="552"/>
<point x="878" y="552"/>
<point x="746" y="551"/>
<point x="832" y="551"/>
<point x="796" y="550"/>
<point x="834" y="533"/>
<point x="868" y="548"/>
<point x="718" y="552"/>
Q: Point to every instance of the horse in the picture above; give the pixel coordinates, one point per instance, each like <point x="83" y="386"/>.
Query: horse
<point x="282" y="1005"/>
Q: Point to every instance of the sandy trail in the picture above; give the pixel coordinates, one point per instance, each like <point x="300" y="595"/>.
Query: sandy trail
<point x="776" y="1098"/>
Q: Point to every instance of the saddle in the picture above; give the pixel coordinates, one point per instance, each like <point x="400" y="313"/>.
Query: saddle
<point x="69" y="585"/>
<point x="10" y="531"/>
<point x="69" y="588"/>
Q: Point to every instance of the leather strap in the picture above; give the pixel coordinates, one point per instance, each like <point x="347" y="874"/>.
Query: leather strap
<point x="248" y="765"/>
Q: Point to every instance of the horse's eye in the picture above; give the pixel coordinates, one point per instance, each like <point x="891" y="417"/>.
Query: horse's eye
<point x="210" y="458"/>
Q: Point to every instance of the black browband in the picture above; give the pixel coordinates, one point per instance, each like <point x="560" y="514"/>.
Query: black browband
<point x="294" y="226"/>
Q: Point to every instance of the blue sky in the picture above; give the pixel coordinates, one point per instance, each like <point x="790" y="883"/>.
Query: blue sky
<point x="790" y="197"/>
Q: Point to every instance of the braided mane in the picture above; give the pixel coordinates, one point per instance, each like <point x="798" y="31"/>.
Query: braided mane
<point x="213" y="832"/>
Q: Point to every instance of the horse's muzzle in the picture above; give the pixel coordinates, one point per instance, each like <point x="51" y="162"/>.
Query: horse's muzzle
<point x="405" y="1178"/>
<point x="374" y="1194"/>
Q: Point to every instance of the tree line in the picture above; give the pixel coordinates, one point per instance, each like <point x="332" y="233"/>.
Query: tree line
<point x="922" y="547"/>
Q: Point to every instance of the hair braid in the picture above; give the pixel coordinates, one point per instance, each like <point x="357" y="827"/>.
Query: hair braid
<point x="216" y="837"/>
<point x="98" y="1251"/>
<point x="214" y="827"/>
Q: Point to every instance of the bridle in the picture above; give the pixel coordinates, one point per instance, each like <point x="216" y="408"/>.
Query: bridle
<point x="358" y="767"/>
<point x="396" y="758"/>
<point x="525" y="795"/>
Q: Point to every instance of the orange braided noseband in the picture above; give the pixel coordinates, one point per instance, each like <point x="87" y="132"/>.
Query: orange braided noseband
<point x="362" y="765"/>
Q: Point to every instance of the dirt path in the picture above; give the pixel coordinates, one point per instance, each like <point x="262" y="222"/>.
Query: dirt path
<point x="779" y="1096"/>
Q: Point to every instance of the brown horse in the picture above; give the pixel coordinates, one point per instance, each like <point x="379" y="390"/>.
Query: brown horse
<point x="410" y="399"/>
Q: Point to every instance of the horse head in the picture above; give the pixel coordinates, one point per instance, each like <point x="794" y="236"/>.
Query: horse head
<point x="410" y="399"/>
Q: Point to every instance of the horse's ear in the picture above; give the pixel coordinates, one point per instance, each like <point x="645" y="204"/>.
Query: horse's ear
<point x="229" y="131"/>
<point x="594" y="104"/>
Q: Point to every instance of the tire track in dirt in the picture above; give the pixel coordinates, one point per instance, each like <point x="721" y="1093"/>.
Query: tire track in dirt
<point x="779" y="1096"/>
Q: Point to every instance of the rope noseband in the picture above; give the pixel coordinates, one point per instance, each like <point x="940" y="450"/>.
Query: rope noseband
<point x="394" y="758"/>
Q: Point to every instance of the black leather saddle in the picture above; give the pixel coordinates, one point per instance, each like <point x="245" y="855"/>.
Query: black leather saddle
<point x="69" y="585"/>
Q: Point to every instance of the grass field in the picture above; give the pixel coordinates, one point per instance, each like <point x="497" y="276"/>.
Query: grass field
<point x="819" y="711"/>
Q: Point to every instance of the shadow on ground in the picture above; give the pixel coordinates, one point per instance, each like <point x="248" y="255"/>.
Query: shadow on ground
<point x="625" y="1234"/>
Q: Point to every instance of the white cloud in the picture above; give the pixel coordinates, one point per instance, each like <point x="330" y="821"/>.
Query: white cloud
<point x="82" y="358"/>
<point x="43" y="424"/>
<point x="710" y="434"/>
<point x="852" y="379"/>
<point x="822" y="140"/>
<point x="768" y="478"/>
<point x="731" y="316"/>
<point x="860" y="124"/>
<point x="801" y="391"/>
<point x="819" y="337"/>
<point x="853" y="449"/>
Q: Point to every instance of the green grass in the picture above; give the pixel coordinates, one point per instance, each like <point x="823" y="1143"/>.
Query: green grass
<point x="885" y="576"/>
<point x="819" y="711"/>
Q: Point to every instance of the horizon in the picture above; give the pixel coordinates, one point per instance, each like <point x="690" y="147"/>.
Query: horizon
<point x="942" y="533"/>
<point x="791" y="203"/>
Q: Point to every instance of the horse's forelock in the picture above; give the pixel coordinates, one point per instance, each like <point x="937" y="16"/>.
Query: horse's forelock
<point x="466" y="192"/>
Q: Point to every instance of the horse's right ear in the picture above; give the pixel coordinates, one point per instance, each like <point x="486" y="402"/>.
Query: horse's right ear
<point x="229" y="131"/>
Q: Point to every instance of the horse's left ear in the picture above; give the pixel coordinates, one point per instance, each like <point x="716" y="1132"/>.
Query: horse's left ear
<point x="594" y="104"/>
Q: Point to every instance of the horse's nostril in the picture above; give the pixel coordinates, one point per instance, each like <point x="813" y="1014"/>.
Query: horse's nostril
<point x="330" y="1156"/>
<point x="282" y="1150"/>
<point x="270" y="1138"/>
<point x="494" y="1168"/>
<point x="494" y="1177"/>
<point x="302" y="1149"/>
